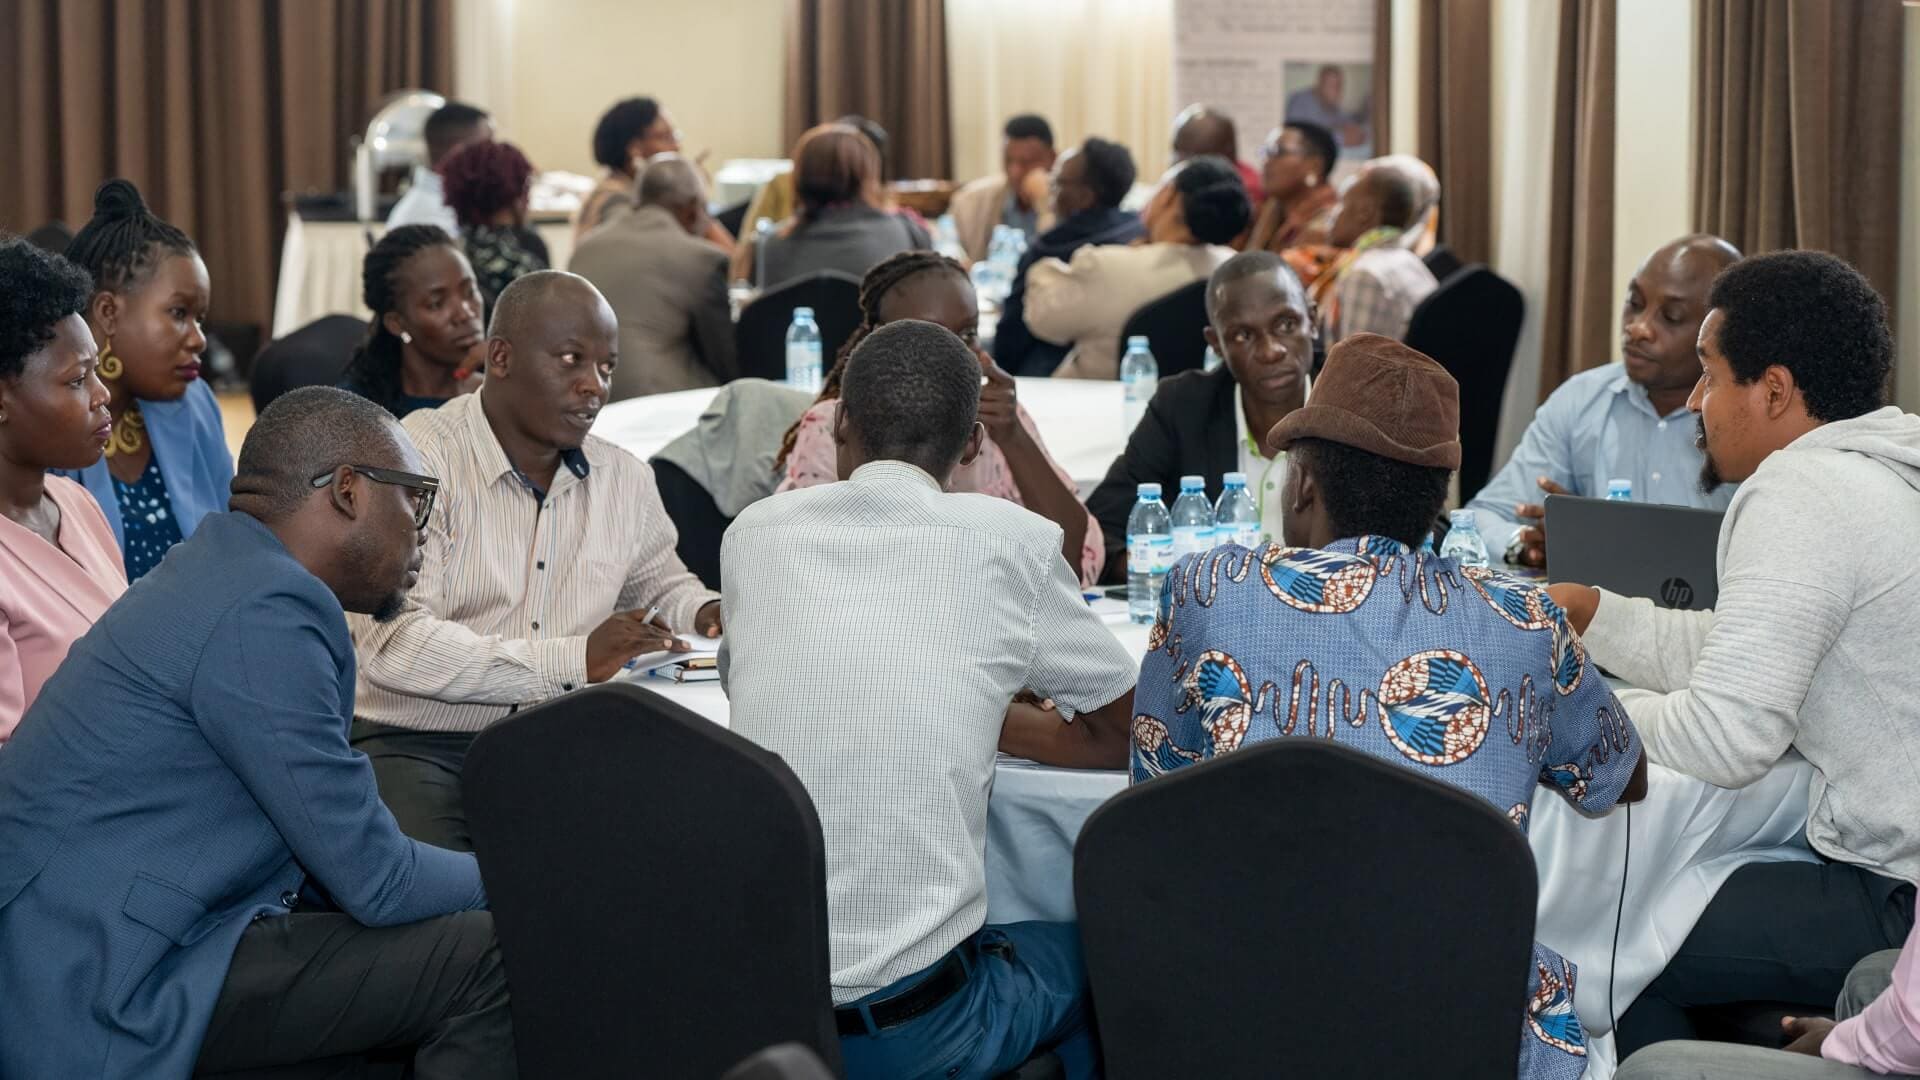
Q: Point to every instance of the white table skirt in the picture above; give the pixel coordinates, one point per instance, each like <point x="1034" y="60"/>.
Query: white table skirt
<point x="320" y="268"/>
<point x="1688" y="836"/>
<point x="1079" y="419"/>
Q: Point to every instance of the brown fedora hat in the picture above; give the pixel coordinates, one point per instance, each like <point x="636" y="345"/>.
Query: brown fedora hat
<point x="1377" y="395"/>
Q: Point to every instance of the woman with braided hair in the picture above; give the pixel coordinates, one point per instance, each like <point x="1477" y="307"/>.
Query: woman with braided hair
<point x="167" y="464"/>
<point x="427" y="341"/>
<point x="1013" y="463"/>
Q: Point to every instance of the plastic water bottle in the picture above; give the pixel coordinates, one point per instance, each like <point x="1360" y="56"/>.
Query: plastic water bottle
<point x="946" y="238"/>
<point x="1210" y="361"/>
<point x="1619" y="491"/>
<point x="1463" y="543"/>
<point x="989" y="273"/>
<point x="1192" y="518"/>
<point x="1236" y="519"/>
<point x="1149" y="553"/>
<point x="803" y="351"/>
<point x="762" y="232"/>
<point x="1139" y="375"/>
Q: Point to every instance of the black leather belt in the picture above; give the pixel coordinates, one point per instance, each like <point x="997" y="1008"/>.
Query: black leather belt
<point x="946" y="981"/>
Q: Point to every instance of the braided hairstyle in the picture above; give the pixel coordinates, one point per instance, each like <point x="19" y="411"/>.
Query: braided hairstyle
<point x="123" y="243"/>
<point x="886" y="276"/>
<point x="374" y="371"/>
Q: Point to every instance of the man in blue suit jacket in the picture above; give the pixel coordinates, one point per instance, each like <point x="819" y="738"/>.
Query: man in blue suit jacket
<point x="196" y="871"/>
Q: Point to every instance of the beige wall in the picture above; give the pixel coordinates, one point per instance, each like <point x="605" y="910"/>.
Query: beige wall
<point x="1653" y="126"/>
<point x="553" y="66"/>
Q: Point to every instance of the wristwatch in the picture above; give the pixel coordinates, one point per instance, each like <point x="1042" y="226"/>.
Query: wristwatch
<point x="1514" y="547"/>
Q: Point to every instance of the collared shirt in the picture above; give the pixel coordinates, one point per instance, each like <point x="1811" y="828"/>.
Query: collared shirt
<point x="876" y="630"/>
<point x="1377" y="292"/>
<point x="513" y="579"/>
<point x="1598" y="426"/>
<point x="1266" y="476"/>
<point x="1468" y="677"/>
<point x="425" y="203"/>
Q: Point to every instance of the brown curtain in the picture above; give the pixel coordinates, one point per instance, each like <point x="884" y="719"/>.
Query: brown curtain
<point x="1456" y="119"/>
<point x="1799" y="128"/>
<point x="212" y="107"/>
<point x="882" y="59"/>
<point x="1578" y="328"/>
<point x="1382" y="74"/>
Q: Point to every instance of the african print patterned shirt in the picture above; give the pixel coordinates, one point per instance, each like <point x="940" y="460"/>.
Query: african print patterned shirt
<point x="1469" y="677"/>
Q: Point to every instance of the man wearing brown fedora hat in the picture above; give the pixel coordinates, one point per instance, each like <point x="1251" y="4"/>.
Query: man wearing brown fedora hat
<point x="1432" y="648"/>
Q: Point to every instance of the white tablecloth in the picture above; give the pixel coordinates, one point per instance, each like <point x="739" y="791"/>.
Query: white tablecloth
<point x="320" y="268"/>
<point x="1080" y="419"/>
<point x="1688" y="836"/>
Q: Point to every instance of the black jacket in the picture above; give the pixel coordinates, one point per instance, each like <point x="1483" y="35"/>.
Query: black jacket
<point x="1188" y="430"/>
<point x="1014" y="346"/>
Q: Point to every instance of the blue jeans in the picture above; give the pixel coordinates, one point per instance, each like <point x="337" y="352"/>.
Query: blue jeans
<point x="1026" y="992"/>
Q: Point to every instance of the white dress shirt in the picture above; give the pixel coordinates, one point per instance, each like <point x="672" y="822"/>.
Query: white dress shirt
<point x="876" y="630"/>
<point x="1266" y="476"/>
<point x="512" y="583"/>
<point x="425" y="203"/>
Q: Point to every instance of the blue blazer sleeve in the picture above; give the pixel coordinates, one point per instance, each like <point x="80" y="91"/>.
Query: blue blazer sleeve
<point x="272" y="698"/>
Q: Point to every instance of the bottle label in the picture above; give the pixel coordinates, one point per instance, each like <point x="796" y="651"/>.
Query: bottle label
<point x="1247" y="536"/>
<point x="1190" y="539"/>
<point x="1152" y="553"/>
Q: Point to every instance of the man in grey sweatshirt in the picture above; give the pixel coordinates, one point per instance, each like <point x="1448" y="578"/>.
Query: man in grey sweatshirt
<point x="1810" y="648"/>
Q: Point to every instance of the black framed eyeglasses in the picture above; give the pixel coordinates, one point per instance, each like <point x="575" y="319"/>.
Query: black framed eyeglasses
<point x="424" y="488"/>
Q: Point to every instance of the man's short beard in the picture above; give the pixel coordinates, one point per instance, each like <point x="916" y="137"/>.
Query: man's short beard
<point x="1710" y="477"/>
<point x="391" y="607"/>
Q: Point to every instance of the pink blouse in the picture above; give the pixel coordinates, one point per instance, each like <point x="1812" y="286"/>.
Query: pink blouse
<point x="814" y="461"/>
<point x="49" y="596"/>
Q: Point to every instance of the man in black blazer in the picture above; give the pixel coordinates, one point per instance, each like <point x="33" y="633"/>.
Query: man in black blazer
<point x="1215" y="422"/>
<point x="1089" y="183"/>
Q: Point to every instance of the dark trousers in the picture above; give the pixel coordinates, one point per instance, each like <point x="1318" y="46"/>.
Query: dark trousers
<point x="419" y="777"/>
<point x="310" y="995"/>
<point x="1776" y="932"/>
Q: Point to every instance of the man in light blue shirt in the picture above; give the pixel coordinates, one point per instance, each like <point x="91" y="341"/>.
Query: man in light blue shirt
<point x="451" y="127"/>
<point x="1625" y="421"/>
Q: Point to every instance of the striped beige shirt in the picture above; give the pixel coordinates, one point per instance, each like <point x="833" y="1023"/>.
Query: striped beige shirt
<point x="510" y="586"/>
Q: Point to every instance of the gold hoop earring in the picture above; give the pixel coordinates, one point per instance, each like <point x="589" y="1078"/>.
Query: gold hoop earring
<point x="110" y="365"/>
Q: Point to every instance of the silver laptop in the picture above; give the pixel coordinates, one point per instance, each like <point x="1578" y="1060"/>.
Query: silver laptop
<point x="1664" y="553"/>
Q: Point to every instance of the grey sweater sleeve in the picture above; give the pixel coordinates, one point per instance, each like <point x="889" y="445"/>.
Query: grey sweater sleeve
<point x="1744" y="670"/>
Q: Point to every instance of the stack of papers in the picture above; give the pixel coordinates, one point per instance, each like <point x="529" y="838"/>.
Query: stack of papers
<point x="697" y="664"/>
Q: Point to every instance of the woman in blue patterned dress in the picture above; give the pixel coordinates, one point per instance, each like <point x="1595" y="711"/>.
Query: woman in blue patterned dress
<point x="167" y="464"/>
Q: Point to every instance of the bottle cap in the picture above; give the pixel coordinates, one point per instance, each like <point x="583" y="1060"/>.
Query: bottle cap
<point x="1192" y="483"/>
<point x="1233" y="479"/>
<point x="799" y="311"/>
<point x="1149" y="491"/>
<point x="1137" y="341"/>
<point x="1458" y="518"/>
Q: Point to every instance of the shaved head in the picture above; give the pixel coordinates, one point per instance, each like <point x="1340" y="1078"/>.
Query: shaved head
<point x="671" y="181"/>
<point x="1660" y="319"/>
<point x="1703" y="250"/>
<point x="1200" y="129"/>
<point x="534" y="298"/>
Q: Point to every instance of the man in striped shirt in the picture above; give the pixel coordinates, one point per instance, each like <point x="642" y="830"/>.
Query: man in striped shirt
<point x="545" y="553"/>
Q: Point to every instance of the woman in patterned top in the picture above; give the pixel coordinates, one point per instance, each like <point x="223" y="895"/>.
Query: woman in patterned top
<point x="487" y="187"/>
<point x="1013" y="462"/>
<point x="167" y="464"/>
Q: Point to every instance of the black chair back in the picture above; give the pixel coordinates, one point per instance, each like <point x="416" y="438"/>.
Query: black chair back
<point x="658" y="885"/>
<point x="1174" y="326"/>
<point x="1470" y="324"/>
<point x="54" y="236"/>
<point x="1442" y="263"/>
<point x="314" y="355"/>
<point x="733" y="217"/>
<point x="761" y="333"/>
<point x="1380" y="921"/>
<point x="695" y="517"/>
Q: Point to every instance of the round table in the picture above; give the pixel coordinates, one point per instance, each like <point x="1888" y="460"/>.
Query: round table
<point x="1688" y="836"/>
<point x="1080" y="420"/>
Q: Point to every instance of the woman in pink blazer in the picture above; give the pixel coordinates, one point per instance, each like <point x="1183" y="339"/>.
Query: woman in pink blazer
<point x="60" y="566"/>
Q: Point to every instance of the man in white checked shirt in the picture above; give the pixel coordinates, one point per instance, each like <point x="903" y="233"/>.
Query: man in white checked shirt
<point x="545" y="552"/>
<point x="878" y="632"/>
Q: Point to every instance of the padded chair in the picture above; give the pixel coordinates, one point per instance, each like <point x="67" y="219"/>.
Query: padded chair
<point x="761" y="333"/>
<point x="732" y="218"/>
<point x="54" y="236"/>
<point x="1377" y="921"/>
<point x="695" y="517"/>
<point x="1470" y="324"/>
<point x="658" y="885"/>
<point x="1443" y="263"/>
<point x="1174" y="326"/>
<point x="314" y="355"/>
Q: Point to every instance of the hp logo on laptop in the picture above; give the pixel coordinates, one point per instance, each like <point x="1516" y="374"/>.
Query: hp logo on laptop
<point x="1676" y="593"/>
